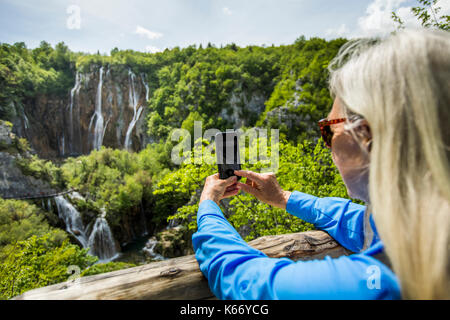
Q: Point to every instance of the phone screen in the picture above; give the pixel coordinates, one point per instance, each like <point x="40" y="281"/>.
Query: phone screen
<point x="227" y="152"/>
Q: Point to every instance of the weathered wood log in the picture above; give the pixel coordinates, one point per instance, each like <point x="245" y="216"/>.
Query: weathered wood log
<point x="181" y="278"/>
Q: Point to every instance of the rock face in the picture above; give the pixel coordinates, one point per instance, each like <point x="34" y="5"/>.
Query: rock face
<point x="243" y="109"/>
<point x="13" y="183"/>
<point x="106" y="106"/>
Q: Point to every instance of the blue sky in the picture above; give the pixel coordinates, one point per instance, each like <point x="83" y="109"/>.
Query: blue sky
<point x="151" y="25"/>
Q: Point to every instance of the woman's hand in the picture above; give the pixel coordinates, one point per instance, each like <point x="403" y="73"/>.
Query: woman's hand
<point x="264" y="186"/>
<point x="216" y="189"/>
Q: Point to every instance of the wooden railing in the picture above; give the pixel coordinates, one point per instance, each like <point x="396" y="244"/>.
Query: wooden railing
<point x="181" y="278"/>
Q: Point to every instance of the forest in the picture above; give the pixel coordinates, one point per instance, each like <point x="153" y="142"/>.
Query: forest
<point x="185" y="85"/>
<point x="137" y="197"/>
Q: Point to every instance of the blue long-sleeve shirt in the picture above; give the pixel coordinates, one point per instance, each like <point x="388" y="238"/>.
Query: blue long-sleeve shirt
<point x="237" y="271"/>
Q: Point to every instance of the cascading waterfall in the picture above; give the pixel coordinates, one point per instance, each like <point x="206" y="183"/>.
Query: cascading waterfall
<point x="26" y="123"/>
<point x="99" y="130"/>
<point x="72" y="219"/>
<point x="75" y="90"/>
<point x="49" y="205"/>
<point x="101" y="241"/>
<point x="144" y="82"/>
<point x="149" y="249"/>
<point x="133" y="100"/>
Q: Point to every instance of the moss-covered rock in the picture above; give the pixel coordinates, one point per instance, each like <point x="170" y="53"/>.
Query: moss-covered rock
<point x="174" y="242"/>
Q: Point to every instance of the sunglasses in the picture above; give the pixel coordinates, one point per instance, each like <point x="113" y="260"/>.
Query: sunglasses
<point x="325" y="130"/>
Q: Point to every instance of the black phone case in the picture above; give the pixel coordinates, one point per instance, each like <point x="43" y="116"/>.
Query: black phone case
<point x="226" y="169"/>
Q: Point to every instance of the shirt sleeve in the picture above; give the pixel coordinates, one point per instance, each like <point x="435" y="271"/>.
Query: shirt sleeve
<point x="237" y="271"/>
<point x="340" y="218"/>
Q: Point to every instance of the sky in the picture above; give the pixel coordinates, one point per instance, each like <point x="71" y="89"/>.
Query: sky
<point x="153" y="25"/>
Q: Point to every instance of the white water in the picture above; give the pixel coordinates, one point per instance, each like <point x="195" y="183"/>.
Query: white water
<point x="101" y="241"/>
<point x="72" y="219"/>
<point x="26" y="122"/>
<point x="150" y="247"/>
<point x="133" y="100"/>
<point x="145" y="232"/>
<point x="75" y="89"/>
<point x="99" y="130"/>
<point x="62" y="146"/>
<point x="144" y="82"/>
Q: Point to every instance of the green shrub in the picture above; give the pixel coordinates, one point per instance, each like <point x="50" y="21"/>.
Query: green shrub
<point x="39" y="261"/>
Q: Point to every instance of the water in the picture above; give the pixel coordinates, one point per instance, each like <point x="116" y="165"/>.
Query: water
<point x="101" y="241"/>
<point x="62" y="147"/>
<point x="75" y="89"/>
<point x="172" y="224"/>
<point x="149" y="249"/>
<point x="49" y="205"/>
<point x="72" y="219"/>
<point x="145" y="231"/>
<point x="144" y="82"/>
<point x="133" y="100"/>
<point x="26" y="123"/>
<point x="99" y="130"/>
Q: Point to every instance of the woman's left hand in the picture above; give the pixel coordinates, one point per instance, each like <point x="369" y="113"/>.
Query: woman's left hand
<point x="216" y="189"/>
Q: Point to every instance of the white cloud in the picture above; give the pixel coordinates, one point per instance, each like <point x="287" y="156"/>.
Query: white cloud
<point x="378" y="19"/>
<point x="152" y="49"/>
<point x="147" y="33"/>
<point x="341" y="31"/>
<point x="227" y="11"/>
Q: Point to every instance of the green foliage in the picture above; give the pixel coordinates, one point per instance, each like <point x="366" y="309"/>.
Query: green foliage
<point x="106" y="267"/>
<point x="427" y="13"/>
<point x="302" y="86"/>
<point x="200" y="85"/>
<point x="176" y="188"/>
<point x="111" y="179"/>
<point x="212" y="85"/>
<point x="24" y="73"/>
<point x="20" y="220"/>
<point x="38" y="262"/>
<point x="40" y="169"/>
<point x="307" y="168"/>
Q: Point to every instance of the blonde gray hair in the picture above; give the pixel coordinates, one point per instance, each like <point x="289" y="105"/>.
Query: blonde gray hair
<point x="401" y="87"/>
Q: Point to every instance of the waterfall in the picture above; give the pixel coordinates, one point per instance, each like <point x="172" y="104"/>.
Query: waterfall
<point x="49" y="205"/>
<point x="62" y="146"/>
<point x="72" y="219"/>
<point x="26" y="123"/>
<point x="99" y="130"/>
<point x="144" y="223"/>
<point x="75" y="89"/>
<point x="144" y="82"/>
<point x="150" y="247"/>
<point x="133" y="100"/>
<point x="101" y="241"/>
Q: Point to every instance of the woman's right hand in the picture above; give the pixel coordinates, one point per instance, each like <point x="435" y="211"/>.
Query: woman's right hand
<point x="264" y="186"/>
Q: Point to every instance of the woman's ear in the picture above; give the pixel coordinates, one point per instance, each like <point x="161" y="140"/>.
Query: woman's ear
<point x="365" y="134"/>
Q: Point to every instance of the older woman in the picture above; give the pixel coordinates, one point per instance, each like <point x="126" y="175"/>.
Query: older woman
<point x="389" y="125"/>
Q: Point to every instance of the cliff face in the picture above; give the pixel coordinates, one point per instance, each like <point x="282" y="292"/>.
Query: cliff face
<point x="106" y="106"/>
<point x="13" y="183"/>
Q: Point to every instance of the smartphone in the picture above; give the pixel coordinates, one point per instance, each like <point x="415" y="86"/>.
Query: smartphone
<point x="227" y="153"/>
